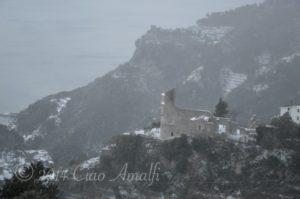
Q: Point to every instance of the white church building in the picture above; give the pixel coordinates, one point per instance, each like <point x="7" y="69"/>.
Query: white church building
<point x="294" y="112"/>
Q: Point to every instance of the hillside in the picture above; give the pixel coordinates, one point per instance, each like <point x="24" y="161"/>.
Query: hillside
<point x="249" y="55"/>
<point x="188" y="168"/>
<point x="143" y="166"/>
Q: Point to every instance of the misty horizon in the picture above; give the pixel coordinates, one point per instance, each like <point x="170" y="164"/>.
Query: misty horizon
<point x="149" y="99"/>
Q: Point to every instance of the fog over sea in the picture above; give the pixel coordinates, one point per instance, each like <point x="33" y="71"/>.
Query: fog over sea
<point x="48" y="46"/>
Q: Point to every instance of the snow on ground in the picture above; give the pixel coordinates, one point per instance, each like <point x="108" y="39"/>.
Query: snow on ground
<point x="290" y="58"/>
<point x="117" y="75"/>
<point x="91" y="163"/>
<point x="231" y="80"/>
<point x="262" y="70"/>
<point x="282" y="154"/>
<point x="154" y="133"/>
<point x="260" y="87"/>
<point x="47" y="178"/>
<point x="12" y="126"/>
<point x="210" y="33"/>
<point x="195" y="76"/>
<point x="215" y="33"/>
<point x="6" y="174"/>
<point x="32" y="136"/>
<point x="110" y="146"/>
<point x="139" y="132"/>
<point x="264" y="59"/>
<point x="61" y="104"/>
<point x="40" y="155"/>
<point x="10" y="159"/>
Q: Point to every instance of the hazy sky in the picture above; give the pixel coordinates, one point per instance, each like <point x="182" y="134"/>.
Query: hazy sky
<point x="48" y="46"/>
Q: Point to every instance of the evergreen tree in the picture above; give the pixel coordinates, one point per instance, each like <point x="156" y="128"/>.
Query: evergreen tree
<point x="221" y="109"/>
<point x="280" y="134"/>
<point x="178" y="150"/>
<point x="286" y="127"/>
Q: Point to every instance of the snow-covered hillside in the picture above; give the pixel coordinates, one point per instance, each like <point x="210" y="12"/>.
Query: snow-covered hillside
<point x="10" y="160"/>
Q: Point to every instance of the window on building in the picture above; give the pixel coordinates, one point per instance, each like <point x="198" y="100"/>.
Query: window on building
<point x="298" y="110"/>
<point x="199" y="127"/>
<point x="298" y="118"/>
<point x="289" y="109"/>
<point x="172" y="134"/>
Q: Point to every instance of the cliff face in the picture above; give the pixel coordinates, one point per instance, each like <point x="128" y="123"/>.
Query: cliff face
<point x="249" y="55"/>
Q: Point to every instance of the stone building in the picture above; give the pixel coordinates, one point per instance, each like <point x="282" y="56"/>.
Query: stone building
<point x="176" y="121"/>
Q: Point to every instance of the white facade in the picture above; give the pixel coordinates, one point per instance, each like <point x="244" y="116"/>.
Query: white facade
<point x="294" y="112"/>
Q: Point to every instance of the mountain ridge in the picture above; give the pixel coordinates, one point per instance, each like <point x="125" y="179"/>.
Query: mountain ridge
<point x="251" y="61"/>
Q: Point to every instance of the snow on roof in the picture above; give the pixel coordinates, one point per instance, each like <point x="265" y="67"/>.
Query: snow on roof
<point x="202" y="117"/>
<point x="292" y="106"/>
